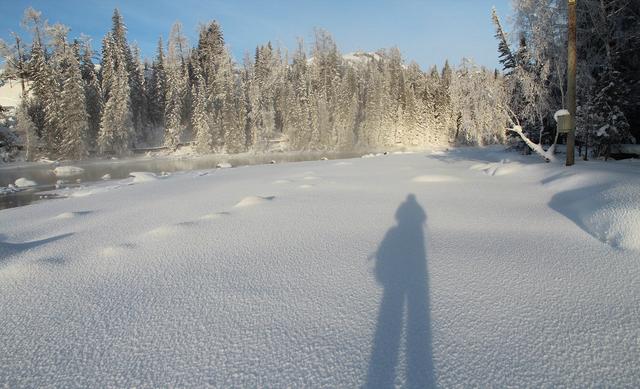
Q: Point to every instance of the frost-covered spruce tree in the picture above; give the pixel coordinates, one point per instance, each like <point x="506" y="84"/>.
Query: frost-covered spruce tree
<point x="133" y="69"/>
<point x="209" y="51"/>
<point x="45" y="89"/>
<point x="254" y="115"/>
<point x="26" y="128"/>
<point x="176" y="86"/>
<point x="157" y="90"/>
<point x="298" y="100"/>
<point x="92" y="92"/>
<point x="73" y="110"/>
<point x="218" y="73"/>
<point x="174" y="105"/>
<point x="232" y="114"/>
<point x="325" y="80"/>
<point x="246" y="77"/>
<point x="116" y="125"/>
<point x="608" y="80"/>
<point x="506" y="57"/>
<point x="139" y="107"/>
<point x="374" y="107"/>
<point x="346" y="111"/>
<point x="612" y="126"/>
<point x="199" y="119"/>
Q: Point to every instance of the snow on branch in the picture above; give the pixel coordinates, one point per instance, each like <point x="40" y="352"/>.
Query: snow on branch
<point x="548" y="155"/>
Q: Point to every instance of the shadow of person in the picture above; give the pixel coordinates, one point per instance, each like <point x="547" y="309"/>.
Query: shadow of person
<point x="401" y="268"/>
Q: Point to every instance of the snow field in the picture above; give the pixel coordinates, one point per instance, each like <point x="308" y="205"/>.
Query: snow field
<point x="238" y="279"/>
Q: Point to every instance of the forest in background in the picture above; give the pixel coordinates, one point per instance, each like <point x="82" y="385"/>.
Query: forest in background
<point x="78" y="102"/>
<point x="534" y="59"/>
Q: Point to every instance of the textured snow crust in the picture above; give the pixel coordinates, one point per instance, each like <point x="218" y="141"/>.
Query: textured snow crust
<point x="528" y="273"/>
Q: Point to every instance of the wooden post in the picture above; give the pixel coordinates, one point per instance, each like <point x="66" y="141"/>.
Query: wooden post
<point x="571" y="83"/>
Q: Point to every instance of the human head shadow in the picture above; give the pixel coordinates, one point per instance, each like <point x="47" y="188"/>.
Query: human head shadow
<point x="401" y="268"/>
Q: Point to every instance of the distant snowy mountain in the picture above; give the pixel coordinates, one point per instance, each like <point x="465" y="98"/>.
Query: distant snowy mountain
<point x="356" y="57"/>
<point x="361" y="57"/>
<point x="10" y="93"/>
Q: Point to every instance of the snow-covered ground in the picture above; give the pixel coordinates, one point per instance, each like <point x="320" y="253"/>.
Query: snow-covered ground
<point x="468" y="268"/>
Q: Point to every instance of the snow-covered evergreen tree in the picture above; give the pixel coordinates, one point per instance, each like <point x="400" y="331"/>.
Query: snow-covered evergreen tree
<point x="45" y="89"/>
<point x="139" y="104"/>
<point x="27" y="129"/>
<point x="116" y="123"/>
<point x="176" y="81"/>
<point x="73" y="110"/>
<point x="231" y="111"/>
<point x="157" y="91"/>
<point x="199" y="120"/>
<point x="93" y="93"/>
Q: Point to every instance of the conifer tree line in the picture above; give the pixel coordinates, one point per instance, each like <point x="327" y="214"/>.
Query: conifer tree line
<point x="534" y="58"/>
<point x="315" y="100"/>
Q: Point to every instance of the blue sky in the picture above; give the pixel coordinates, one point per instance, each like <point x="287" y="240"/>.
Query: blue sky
<point x="426" y="31"/>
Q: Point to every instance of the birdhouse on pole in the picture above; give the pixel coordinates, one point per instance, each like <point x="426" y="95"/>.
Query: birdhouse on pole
<point x="563" y="119"/>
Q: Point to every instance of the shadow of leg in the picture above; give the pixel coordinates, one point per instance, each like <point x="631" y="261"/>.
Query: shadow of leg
<point x="386" y="342"/>
<point x="420" y="370"/>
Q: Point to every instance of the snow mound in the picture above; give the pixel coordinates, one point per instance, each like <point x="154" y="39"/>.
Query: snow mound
<point x="24" y="183"/>
<point x="163" y="231"/>
<point x="434" y="178"/>
<point x="213" y="216"/>
<point x="281" y="182"/>
<point x="116" y="251"/>
<point x="253" y="200"/>
<point x="223" y="165"/>
<point x="106" y="177"/>
<point x="71" y="215"/>
<point x="68" y="171"/>
<point x="143" y="176"/>
<point x="305" y="186"/>
<point x="610" y="213"/>
<point x="479" y="166"/>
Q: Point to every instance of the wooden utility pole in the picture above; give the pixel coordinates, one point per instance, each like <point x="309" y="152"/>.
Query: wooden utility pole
<point x="571" y="83"/>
